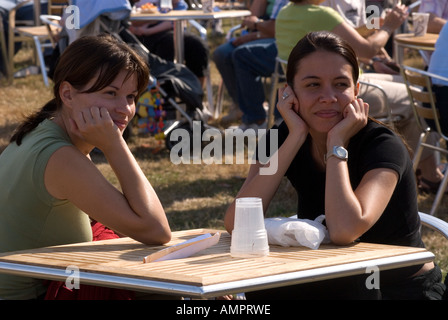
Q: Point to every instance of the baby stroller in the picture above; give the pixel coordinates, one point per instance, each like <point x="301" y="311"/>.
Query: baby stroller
<point x="174" y="96"/>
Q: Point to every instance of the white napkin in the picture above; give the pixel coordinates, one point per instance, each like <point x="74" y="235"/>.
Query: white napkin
<point x="296" y="232"/>
<point x="184" y="249"/>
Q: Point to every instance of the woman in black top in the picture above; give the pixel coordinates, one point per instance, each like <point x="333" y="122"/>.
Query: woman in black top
<point x="344" y="165"/>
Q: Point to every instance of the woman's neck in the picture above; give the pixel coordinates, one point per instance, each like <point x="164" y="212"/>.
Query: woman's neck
<point x="319" y="148"/>
<point x="77" y="141"/>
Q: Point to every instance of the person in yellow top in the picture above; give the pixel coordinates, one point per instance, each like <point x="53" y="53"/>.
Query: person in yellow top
<point x="50" y="188"/>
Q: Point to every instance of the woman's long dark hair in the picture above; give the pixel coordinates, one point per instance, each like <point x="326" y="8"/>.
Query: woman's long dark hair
<point x="102" y="56"/>
<point x="320" y="41"/>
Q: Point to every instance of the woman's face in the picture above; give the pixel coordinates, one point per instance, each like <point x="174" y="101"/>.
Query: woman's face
<point x="324" y="86"/>
<point x="118" y="98"/>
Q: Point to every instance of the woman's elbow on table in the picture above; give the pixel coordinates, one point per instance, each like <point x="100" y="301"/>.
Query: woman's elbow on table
<point x="228" y="220"/>
<point x="157" y="237"/>
<point x="150" y="231"/>
<point x="342" y="238"/>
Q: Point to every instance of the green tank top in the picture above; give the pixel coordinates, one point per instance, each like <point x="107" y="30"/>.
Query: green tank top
<point x="29" y="216"/>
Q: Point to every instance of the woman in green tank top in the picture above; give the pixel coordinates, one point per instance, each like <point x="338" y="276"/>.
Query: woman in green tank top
<point x="55" y="188"/>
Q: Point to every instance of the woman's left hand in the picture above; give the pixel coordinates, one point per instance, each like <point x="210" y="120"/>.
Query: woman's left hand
<point x="355" y="115"/>
<point x="95" y="126"/>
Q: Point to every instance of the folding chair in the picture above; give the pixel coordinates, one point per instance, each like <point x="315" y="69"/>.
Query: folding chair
<point x="277" y="79"/>
<point x="419" y="86"/>
<point x="36" y="32"/>
<point x="3" y="52"/>
<point x="387" y="118"/>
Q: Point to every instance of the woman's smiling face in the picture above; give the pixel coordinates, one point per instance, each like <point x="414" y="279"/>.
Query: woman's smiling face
<point x="324" y="86"/>
<point x="118" y="98"/>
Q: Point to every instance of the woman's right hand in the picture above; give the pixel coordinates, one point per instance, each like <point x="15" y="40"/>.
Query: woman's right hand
<point x="288" y="106"/>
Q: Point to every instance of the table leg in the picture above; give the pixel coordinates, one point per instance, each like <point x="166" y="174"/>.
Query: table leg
<point x="179" y="26"/>
<point x="398" y="53"/>
<point x="37" y="13"/>
<point x="179" y="57"/>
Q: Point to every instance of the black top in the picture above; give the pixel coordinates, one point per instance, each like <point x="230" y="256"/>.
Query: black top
<point x="375" y="146"/>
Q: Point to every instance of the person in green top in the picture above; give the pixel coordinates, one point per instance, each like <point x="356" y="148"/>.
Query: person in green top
<point x="50" y="188"/>
<point x="305" y="16"/>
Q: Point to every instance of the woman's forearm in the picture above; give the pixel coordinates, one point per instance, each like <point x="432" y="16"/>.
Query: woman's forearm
<point x="265" y="186"/>
<point x="138" y="191"/>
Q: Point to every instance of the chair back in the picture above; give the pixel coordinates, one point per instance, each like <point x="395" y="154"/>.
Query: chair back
<point x="278" y="79"/>
<point x="55" y="7"/>
<point x="423" y="100"/>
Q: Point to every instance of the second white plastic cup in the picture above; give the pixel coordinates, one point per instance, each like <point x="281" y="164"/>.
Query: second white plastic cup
<point x="420" y="23"/>
<point x="249" y="236"/>
<point x="166" y="6"/>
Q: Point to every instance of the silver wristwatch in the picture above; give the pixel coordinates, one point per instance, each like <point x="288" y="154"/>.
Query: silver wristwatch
<point x="338" y="152"/>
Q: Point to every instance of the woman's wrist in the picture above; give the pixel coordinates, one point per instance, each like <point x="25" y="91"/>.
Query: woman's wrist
<point x="389" y="30"/>
<point x="255" y="26"/>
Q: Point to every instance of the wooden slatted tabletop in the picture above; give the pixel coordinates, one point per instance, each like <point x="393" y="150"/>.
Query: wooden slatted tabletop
<point x="426" y="42"/>
<point x="213" y="266"/>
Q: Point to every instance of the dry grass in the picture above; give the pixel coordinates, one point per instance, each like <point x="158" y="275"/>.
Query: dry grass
<point x="194" y="196"/>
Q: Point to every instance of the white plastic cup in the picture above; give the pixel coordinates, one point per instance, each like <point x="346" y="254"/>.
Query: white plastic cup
<point x="249" y="236"/>
<point x="420" y="23"/>
<point x="166" y="6"/>
<point x="207" y="6"/>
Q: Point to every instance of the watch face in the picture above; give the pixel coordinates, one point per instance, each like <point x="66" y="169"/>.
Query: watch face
<point x="341" y="152"/>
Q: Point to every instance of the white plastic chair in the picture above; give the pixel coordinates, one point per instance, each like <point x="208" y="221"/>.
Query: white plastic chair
<point x="434" y="223"/>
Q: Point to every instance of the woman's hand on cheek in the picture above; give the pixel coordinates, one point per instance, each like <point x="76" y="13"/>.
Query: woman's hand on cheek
<point x="94" y="125"/>
<point x="288" y="106"/>
<point x="355" y="118"/>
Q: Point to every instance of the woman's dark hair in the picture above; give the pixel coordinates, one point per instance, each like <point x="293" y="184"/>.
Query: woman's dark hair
<point x="101" y="56"/>
<point x="320" y="41"/>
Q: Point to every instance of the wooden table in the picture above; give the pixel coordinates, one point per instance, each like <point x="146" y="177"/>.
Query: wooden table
<point x="408" y="40"/>
<point x="212" y="272"/>
<point x="180" y="17"/>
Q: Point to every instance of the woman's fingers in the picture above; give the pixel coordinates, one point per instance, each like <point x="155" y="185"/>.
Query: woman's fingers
<point x="287" y="99"/>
